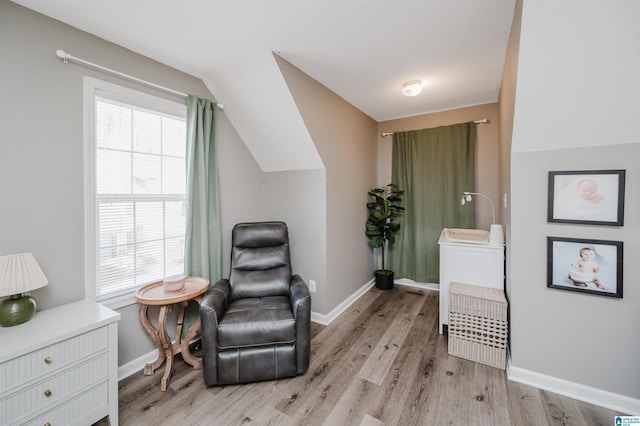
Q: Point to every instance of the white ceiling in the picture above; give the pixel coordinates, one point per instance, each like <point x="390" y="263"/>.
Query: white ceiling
<point x="363" y="50"/>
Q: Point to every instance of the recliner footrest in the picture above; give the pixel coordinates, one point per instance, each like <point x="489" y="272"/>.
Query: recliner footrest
<point x="254" y="364"/>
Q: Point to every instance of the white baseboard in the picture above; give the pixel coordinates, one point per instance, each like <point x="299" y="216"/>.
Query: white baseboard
<point x="136" y="365"/>
<point x="616" y="402"/>
<point x="416" y="284"/>
<point x="613" y="401"/>
<point x="328" y="318"/>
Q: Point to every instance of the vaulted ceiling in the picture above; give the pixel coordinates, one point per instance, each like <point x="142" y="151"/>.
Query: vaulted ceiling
<point x="363" y="50"/>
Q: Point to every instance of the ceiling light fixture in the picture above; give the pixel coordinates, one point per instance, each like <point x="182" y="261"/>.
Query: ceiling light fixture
<point x="412" y="88"/>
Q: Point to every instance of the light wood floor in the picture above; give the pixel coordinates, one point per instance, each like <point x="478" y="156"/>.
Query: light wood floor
<point x="382" y="362"/>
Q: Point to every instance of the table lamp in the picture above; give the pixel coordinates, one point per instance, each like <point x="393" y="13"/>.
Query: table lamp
<point x="19" y="273"/>
<point x="496" y="236"/>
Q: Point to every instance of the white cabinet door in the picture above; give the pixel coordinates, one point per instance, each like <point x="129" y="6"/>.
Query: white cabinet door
<point x="479" y="265"/>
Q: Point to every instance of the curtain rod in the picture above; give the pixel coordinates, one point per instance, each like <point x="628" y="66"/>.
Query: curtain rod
<point x="67" y="57"/>
<point x="483" y="121"/>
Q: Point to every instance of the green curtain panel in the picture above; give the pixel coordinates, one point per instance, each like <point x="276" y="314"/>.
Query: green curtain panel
<point x="434" y="167"/>
<point x="203" y="239"/>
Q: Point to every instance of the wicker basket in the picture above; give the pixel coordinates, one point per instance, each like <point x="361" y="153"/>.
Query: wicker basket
<point x="478" y="324"/>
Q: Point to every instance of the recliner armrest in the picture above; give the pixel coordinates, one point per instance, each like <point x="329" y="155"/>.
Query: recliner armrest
<point x="299" y="294"/>
<point x="301" y="305"/>
<point x="217" y="297"/>
<point x="214" y="304"/>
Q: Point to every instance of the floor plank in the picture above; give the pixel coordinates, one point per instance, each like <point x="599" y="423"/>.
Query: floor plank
<point x="382" y="356"/>
<point x="381" y="362"/>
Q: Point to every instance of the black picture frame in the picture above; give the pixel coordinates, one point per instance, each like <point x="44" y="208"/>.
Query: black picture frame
<point x="568" y="268"/>
<point x="594" y="197"/>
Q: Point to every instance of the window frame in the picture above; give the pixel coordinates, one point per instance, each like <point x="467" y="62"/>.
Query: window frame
<point x="93" y="88"/>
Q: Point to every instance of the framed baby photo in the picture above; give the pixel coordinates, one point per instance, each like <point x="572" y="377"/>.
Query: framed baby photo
<point x="594" y="197"/>
<point x="587" y="266"/>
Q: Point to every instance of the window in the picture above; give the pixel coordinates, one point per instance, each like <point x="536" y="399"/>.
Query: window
<point x="136" y="189"/>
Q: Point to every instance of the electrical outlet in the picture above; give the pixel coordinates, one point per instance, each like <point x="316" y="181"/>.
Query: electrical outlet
<point x="312" y="286"/>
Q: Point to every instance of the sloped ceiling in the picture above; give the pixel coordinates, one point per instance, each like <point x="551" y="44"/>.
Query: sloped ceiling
<point x="361" y="50"/>
<point x="263" y="112"/>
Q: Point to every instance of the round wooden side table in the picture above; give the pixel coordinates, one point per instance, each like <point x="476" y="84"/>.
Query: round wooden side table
<point x="154" y="295"/>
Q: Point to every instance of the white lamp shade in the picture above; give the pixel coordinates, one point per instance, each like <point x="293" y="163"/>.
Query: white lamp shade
<point x="20" y="273"/>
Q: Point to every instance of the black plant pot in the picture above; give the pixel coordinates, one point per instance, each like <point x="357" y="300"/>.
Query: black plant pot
<point x="384" y="279"/>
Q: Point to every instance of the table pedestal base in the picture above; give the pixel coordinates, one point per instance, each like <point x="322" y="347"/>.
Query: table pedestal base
<point x="166" y="348"/>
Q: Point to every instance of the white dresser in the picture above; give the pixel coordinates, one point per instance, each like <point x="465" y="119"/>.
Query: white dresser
<point x="467" y="263"/>
<point x="61" y="367"/>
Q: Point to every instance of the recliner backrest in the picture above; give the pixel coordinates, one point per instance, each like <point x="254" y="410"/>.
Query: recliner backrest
<point x="260" y="262"/>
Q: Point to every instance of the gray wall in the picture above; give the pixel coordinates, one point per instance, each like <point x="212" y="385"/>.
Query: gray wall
<point x="576" y="104"/>
<point x="241" y="192"/>
<point x="299" y="199"/>
<point x="41" y="154"/>
<point x="582" y="338"/>
<point x="346" y="141"/>
<point x="506" y="104"/>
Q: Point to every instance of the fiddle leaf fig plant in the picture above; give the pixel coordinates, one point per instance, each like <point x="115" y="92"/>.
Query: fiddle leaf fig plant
<point x="384" y="210"/>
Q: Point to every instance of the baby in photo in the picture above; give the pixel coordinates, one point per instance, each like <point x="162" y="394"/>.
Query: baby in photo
<point x="586" y="270"/>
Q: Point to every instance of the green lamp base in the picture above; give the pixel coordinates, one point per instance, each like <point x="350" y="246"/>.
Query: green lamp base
<point x="16" y="310"/>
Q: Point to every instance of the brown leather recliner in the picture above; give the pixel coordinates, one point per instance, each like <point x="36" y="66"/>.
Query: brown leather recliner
<point x="256" y="325"/>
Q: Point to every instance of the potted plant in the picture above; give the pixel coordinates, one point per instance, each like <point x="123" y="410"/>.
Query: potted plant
<point x="381" y="227"/>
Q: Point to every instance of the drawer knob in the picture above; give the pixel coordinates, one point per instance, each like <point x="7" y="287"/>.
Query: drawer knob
<point x="47" y="393"/>
<point x="48" y="360"/>
<point x="47" y="424"/>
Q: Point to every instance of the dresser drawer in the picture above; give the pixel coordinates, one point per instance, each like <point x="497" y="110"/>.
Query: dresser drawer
<point x="47" y="360"/>
<point x="85" y="409"/>
<point x="54" y="389"/>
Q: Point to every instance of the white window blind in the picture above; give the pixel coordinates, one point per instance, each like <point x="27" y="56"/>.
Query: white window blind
<point x="140" y="190"/>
